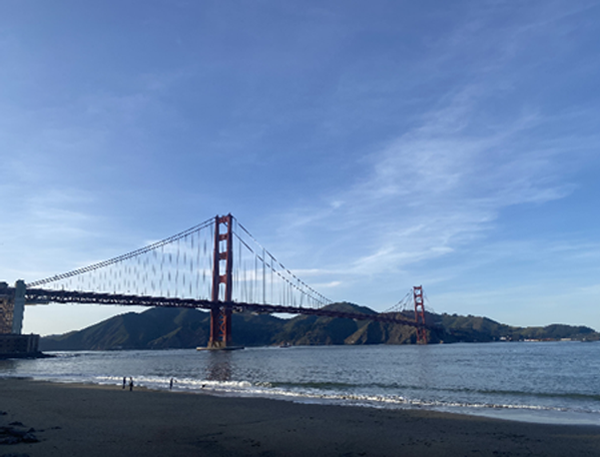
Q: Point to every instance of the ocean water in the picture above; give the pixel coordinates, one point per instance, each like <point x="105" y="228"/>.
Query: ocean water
<point x="554" y="382"/>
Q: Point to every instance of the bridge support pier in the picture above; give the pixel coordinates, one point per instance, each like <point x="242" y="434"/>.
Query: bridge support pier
<point x="220" y="327"/>
<point x="12" y="308"/>
<point x="19" y="309"/>
<point x="220" y="313"/>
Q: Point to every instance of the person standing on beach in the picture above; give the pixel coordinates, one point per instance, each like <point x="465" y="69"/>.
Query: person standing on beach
<point x="130" y="384"/>
<point x="124" y="381"/>
<point x="171" y="384"/>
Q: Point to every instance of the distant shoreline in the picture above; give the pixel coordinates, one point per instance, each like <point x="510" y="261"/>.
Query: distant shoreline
<point x="171" y="328"/>
<point x="92" y="420"/>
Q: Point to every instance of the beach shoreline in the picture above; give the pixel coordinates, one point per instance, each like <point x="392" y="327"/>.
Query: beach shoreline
<point x="100" y="420"/>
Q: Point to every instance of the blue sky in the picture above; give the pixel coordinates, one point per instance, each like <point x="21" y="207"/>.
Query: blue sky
<point x="371" y="146"/>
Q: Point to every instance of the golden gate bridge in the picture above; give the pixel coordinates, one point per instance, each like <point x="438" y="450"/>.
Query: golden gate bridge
<point x="194" y="269"/>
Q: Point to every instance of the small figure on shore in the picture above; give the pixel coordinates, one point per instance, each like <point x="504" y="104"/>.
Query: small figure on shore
<point x="171" y="384"/>
<point x="130" y="384"/>
<point x="124" y="381"/>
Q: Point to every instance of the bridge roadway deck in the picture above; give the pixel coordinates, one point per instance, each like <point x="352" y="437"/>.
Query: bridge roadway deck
<point x="34" y="296"/>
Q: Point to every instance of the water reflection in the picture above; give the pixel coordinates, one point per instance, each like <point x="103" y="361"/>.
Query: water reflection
<point x="219" y="366"/>
<point x="424" y="367"/>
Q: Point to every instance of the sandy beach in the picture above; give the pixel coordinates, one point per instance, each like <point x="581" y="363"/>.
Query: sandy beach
<point x="83" y="420"/>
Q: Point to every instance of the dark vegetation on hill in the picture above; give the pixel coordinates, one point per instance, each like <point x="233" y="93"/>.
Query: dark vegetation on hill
<point x="162" y="328"/>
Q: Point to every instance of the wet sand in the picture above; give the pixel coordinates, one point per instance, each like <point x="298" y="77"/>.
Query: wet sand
<point x="82" y="420"/>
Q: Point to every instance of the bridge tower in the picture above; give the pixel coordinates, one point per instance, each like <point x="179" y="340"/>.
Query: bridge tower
<point x="420" y="314"/>
<point x="220" y="312"/>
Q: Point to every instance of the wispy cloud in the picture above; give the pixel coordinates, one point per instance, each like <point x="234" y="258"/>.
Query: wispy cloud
<point x="442" y="184"/>
<point x="437" y="187"/>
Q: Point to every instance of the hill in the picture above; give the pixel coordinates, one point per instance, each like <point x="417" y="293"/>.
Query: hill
<point x="162" y="328"/>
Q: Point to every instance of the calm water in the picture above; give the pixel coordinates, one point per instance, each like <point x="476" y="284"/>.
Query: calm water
<point x="542" y="382"/>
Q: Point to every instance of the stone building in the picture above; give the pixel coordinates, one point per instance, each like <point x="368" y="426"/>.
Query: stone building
<point x="12" y="308"/>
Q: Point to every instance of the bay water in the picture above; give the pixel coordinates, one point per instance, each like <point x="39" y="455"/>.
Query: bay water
<point x="551" y="382"/>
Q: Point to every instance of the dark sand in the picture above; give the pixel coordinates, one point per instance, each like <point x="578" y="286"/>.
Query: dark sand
<point x="77" y="420"/>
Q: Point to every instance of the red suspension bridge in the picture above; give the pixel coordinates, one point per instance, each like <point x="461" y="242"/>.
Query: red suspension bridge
<point x="193" y="269"/>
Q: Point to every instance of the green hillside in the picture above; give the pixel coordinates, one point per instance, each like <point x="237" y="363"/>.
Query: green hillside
<point x="162" y="328"/>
